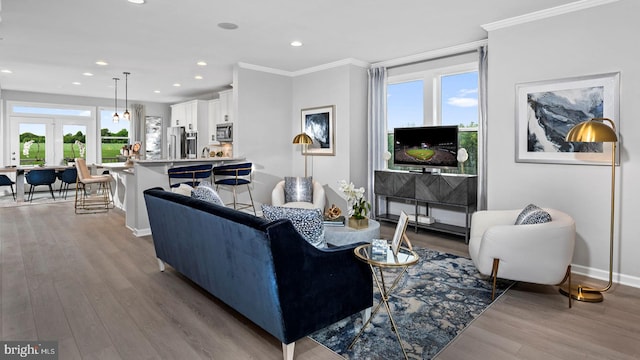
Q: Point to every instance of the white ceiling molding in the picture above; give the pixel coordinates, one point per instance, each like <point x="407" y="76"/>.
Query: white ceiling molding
<point x="547" y="13"/>
<point x="310" y="70"/>
<point x="433" y="54"/>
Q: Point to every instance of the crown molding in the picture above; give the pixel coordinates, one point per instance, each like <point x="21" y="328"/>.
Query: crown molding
<point x="433" y="54"/>
<point x="546" y="13"/>
<point x="310" y="70"/>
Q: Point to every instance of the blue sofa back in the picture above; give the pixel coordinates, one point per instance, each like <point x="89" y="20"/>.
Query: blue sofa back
<point x="264" y="270"/>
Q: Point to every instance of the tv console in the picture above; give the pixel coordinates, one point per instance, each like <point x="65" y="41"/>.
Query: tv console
<point x="455" y="190"/>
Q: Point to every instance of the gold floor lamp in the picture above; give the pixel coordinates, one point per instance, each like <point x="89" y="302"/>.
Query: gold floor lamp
<point x="596" y="130"/>
<point x="304" y="140"/>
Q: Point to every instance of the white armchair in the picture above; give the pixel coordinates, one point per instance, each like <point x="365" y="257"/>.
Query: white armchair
<point x="277" y="197"/>
<point x="536" y="253"/>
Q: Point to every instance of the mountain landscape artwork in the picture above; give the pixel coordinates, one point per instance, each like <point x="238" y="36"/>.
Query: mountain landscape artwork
<point x="551" y="114"/>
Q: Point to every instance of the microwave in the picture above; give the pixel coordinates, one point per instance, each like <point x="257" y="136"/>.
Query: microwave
<point x="224" y="132"/>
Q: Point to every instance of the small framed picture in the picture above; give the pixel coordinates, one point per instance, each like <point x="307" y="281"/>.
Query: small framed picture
<point x="399" y="235"/>
<point x="319" y="124"/>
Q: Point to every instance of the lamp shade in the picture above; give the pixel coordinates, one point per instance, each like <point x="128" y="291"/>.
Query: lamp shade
<point x="593" y="130"/>
<point x="302" y="138"/>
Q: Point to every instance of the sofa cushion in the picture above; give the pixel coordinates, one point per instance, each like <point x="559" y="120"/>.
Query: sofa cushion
<point x="206" y="192"/>
<point x="532" y="214"/>
<point x="308" y="222"/>
<point x="298" y="189"/>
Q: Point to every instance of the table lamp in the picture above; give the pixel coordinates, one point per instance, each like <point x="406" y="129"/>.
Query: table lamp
<point x="304" y="140"/>
<point x="596" y="130"/>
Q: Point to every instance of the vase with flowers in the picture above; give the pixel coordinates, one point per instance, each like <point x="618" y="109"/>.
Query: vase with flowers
<point x="359" y="207"/>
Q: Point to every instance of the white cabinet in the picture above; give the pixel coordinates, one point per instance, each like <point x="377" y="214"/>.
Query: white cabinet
<point x="226" y="106"/>
<point x="191" y="114"/>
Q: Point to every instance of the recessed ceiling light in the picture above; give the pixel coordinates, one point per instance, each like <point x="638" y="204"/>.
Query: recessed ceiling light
<point x="87" y="74"/>
<point x="201" y="63"/>
<point x="227" y="26"/>
<point x="198" y="77"/>
<point x="6" y="71"/>
<point x="177" y="85"/>
<point x="296" y="43"/>
<point x="136" y="1"/>
<point x="76" y="83"/>
<point x="156" y="91"/>
<point x="102" y="63"/>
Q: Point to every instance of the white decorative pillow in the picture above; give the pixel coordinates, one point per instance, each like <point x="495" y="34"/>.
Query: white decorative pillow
<point x="182" y="189"/>
<point x="206" y="192"/>
<point x="308" y="222"/>
<point x="298" y="189"/>
<point x="532" y="214"/>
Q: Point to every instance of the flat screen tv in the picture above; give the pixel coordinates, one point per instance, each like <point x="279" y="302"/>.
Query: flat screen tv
<point x="434" y="147"/>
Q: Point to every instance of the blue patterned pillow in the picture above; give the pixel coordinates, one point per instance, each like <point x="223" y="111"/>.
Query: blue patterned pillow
<point x="532" y="214"/>
<point x="206" y="192"/>
<point x="298" y="189"/>
<point x="308" y="222"/>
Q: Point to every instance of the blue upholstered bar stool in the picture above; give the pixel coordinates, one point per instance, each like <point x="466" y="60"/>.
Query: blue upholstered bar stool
<point x="37" y="177"/>
<point x="235" y="175"/>
<point x="189" y="175"/>
<point x="5" y="181"/>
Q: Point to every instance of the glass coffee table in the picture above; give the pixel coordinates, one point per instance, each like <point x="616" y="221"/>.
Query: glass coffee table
<point x="405" y="258"/>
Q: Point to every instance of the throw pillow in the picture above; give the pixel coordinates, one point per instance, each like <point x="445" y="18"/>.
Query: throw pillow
<point x="182" y="189"/>
<point x="298" y="189"/>
<point x="308" y="222"/>
<point x="532" y="214"/>
<point x="206" y="192"/>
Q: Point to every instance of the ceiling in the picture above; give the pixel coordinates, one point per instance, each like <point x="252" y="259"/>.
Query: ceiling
<point x="48" y="45"/>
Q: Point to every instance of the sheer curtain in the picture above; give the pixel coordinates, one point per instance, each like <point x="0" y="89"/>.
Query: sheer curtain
<point x="377" y="112"/>
<point x="482" y="127"/>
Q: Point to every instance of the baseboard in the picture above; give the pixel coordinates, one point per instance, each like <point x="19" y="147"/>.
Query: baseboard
<point x="618" y="278"/>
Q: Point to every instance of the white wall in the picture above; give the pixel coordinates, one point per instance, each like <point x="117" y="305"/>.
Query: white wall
<point x="263" y="131"/>
<point x="593" y="41"/>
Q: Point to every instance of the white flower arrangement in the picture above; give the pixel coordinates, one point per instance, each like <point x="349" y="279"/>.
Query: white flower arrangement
<point x="358" y="206"/>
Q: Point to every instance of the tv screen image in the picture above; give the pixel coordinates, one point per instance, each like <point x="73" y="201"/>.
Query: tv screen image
<point x="427" y="146"/>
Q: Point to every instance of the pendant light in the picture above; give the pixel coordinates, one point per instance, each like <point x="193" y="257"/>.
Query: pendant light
<point x="116" y="118"/>
<point x="126" y="113"/>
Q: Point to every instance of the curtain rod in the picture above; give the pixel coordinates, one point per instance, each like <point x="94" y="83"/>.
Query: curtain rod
<point x="432" y="55"/>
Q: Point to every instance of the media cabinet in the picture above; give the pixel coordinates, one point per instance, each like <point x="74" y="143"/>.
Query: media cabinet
<point x="453" y="190"/>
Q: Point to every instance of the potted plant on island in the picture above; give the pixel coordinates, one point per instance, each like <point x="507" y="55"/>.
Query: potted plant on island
<point x="359" y="207"/>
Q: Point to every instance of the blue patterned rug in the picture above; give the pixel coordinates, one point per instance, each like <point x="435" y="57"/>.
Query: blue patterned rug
<point x="433" y="303"/>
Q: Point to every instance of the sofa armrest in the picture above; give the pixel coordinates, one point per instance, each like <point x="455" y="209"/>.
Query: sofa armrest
<point x="316" y="287"/>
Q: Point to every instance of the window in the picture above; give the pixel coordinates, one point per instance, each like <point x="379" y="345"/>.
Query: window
<point x="442" y="96"/>
<point x="112" y="136"/>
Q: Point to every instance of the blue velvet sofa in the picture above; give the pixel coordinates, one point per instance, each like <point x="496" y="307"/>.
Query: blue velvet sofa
<point x="264" y="270"/>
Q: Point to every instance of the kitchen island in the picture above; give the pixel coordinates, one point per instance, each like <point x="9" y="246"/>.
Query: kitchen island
<point x="145" y="174"/>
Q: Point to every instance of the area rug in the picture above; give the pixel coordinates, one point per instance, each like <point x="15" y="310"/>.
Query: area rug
<point x="433" y="303"/>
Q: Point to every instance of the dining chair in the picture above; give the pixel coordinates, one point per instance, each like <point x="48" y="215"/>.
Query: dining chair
<point x="235" y="175"/>
<point x="6" y="181"/>
<point x="67" y="177"/>
<point x="37" y="177"/>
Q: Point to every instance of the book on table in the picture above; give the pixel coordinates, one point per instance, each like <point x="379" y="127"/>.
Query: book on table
<point x="339" y="221"/>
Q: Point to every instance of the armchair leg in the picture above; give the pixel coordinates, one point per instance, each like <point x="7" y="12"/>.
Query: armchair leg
<point x="494" y="275"/>
<point x="287" y="351"/>
<point x="567" y="276"/>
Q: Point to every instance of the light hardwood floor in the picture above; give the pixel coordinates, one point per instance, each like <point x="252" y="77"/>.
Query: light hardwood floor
<point x="87" y="282"/>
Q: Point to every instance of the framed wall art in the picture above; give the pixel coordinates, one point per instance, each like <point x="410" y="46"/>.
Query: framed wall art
<point x="547" y="110"/>
<point x="319" y="124"/>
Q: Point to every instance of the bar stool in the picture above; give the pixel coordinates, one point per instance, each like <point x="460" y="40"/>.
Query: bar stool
<point x="84" y="202"/>
<point x="194" y="173"/>
<point x="6" y="181"/>
<point x="234" y="175"/>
